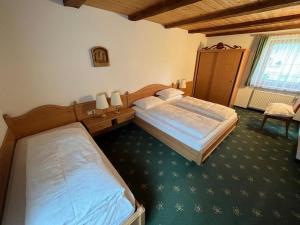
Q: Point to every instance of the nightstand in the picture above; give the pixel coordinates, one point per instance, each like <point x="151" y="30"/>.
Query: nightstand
<point x="97" y="125"/>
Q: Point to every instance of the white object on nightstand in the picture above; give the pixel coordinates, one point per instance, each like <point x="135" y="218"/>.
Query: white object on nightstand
<point x="116" y="100"/>
<point x="182" y="84"/>
<point x="101" y="103"/>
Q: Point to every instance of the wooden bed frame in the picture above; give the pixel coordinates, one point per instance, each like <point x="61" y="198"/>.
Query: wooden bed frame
<point x="181" y="148"/>
<point x="38" y="120"/>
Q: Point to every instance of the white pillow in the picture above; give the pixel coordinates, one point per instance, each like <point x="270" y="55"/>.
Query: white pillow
<point x="279" y="109"/>
<point x="148" y="102"/>
<point x="176" y="97"/>
<point x="170" y="92"/>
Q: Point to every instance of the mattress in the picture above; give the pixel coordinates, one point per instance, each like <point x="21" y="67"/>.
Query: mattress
<point x="14" y="212"/>
<point x="184" y="137"/>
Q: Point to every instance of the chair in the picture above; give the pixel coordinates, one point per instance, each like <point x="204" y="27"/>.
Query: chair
<point x="281" y="111"/>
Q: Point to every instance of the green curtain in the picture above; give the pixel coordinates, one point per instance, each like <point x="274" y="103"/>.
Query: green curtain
<point x="261" y="44"/>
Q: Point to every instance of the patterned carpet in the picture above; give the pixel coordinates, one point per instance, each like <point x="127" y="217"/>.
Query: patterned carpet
<point x="252" y="178"/>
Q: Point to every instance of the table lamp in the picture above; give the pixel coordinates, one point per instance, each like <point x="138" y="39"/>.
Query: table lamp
<point x="101" y="103"/>
<point x="115" y="100"/>
<point x="182" y="84"/>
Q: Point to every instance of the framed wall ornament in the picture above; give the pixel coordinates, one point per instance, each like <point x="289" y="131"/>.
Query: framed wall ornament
<point x="100" y="56"/>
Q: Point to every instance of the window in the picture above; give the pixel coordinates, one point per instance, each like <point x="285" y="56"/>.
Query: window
<point x="278" y="67"/>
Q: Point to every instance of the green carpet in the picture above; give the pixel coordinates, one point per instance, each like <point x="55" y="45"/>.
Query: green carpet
<point x="252" y="178"/>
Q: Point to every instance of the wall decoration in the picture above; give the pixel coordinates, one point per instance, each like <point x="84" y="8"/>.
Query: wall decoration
<point x="221" y="45"/>
<point x="100" y="56"/>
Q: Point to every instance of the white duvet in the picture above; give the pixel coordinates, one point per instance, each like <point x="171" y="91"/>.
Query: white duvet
<point x="191" y="123"/>
<point x="206" y="108"/>
<point x="69" y="184"/>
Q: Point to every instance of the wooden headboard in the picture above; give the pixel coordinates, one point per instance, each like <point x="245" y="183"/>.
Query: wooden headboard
<point x="6" y="158"/>
<point x="37" y="120"/>
<point x="189" y="88"/>
<point x="40" y="119"/>
<point x="146" y="91"/>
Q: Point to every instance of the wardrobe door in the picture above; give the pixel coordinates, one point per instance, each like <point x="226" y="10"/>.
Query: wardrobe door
<point x="203" y="75"/>
<point x="226" y="69"/>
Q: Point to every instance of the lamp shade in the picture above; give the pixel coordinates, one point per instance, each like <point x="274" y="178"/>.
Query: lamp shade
<point x="182" y="83"/>
<point x="115" y="99"/>
<point x="101" y="101"/>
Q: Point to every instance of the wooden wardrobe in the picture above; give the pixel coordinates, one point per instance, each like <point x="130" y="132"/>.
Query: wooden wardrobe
<point x="218" y="73"/>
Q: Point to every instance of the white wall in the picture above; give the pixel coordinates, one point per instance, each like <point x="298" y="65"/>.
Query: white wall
<point x="45" y="59"/>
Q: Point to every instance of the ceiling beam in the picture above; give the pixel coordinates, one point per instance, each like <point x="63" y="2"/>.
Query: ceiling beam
<point x="256" y="30"/>
<point x="257" y="7"/>
<point x="248" y="24"/>
<point x="74" y="3"/>
<point x="160" y="7"/>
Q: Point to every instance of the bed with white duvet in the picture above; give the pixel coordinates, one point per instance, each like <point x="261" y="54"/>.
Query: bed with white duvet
<point x="61" y="177"/>
<point x="193" y="129"/>
<point x="209" y="109"/>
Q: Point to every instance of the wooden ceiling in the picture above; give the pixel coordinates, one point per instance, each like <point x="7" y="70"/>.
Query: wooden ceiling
<point x="211" y="17"/>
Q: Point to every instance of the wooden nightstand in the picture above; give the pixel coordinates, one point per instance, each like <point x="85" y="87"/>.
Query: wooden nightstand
<point x="97" y="125"/>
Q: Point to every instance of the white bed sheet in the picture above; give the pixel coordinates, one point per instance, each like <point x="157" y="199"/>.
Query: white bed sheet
<point x="195" y="125"/>
<point x="196" y="144"/>
<point x="14" y="213"/>
<point x="201" y="107"/>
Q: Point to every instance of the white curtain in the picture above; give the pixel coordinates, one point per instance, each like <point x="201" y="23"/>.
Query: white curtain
<point x="279" y="65"/>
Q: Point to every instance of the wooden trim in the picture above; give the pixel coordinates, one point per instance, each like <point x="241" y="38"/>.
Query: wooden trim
<point x="74" y="3"/>
<point x="160" y="7"/>
<point x="196" y="71"/>
<point x="182" y="149"/>
<point x="219" y="140"/>
<point x="256" y="30"/>
<point x="222" y="46"/>
<point x="296" y="105"/>
<point x="138" y="218"/>
<point x="146" y="91"/>
<point x="269" y="21"/>
<point x="188" y="91"/>
<point x="6" y="158"/>
<point x="246" y="9"/>
<point x="40" y="119"/>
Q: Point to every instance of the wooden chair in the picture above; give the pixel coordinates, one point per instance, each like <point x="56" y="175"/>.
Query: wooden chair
<point x="294" y="108"/>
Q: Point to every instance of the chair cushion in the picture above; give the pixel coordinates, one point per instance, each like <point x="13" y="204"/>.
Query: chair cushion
<point x="280" y="109"/>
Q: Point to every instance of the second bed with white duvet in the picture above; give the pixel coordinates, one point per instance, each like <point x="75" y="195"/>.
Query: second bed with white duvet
<point x="211" y="128"/>
<point x="62" y="177"/>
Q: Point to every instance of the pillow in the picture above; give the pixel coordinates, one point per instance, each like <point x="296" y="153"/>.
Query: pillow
<point x="171" y="98"/>
<point x="279" y="109"/>
<point x="170" y="92"/>
<point x="148" y="102"/>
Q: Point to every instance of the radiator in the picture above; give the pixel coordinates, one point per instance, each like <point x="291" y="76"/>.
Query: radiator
<point x="260" y="99"/>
